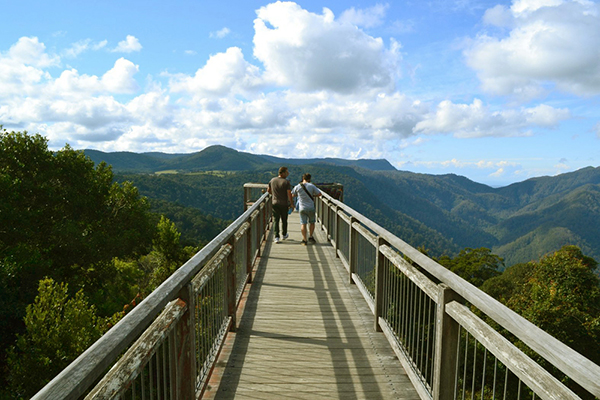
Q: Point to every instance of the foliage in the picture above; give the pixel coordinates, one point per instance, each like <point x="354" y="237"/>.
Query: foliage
<point x="474" y="265"/>
<point x="561" y="295"/>
<point x="197" y="228"/>
<point x="60" y="217"/>
<point x="58" y="329"/>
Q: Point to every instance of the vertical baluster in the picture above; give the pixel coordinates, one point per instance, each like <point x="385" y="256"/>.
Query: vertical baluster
<point x="494" y="385"/>
<point x="464" y="389"/>
<point x="484" y="365"/>
<point x="474" y="368"/>
<point x="457" y="366"/>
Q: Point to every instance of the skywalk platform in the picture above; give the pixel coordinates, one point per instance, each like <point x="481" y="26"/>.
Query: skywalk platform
<point x="304" y="332"/>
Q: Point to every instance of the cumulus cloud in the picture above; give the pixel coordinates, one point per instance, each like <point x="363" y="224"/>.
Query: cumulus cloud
<point x="477" y="120"/>
<point x="368" y="17"/>
<point x="307" y="51"/>
<point x="119" y="79"/>
<point x="224" y="73"/>
<point x="221" y="33"/>
<point x="129" y="45"/>
<point x="551" y="45"/>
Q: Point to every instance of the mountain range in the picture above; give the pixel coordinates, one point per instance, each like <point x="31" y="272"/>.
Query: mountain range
<point x="439" y="213"/>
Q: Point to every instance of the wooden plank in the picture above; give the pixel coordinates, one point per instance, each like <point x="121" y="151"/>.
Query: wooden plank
<point x="305" y="332"/>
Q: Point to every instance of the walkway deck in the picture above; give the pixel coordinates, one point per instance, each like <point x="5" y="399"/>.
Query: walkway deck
<point x="305" y="333"/>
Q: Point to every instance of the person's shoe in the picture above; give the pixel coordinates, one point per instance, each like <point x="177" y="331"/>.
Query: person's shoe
<point x="304" y="243"/>
<point x="312" y="240"/>
<point x="286" y="236"/>
<point x="277" y="239"/>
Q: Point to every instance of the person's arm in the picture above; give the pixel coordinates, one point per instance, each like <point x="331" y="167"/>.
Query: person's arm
<point x="289" y="193"/>
<point x="316" y="192"/>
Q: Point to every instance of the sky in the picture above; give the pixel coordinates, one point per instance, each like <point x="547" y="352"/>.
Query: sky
<point x="496" y="91"/>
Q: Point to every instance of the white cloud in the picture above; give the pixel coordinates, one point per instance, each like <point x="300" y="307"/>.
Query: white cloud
<point x="77" y="48"/>
<point x="29" y="51"/>
<point x="551" y="46"/>
<point x="368" y="17"/>
<point x="306" y="51"/>
<point x="224" y="73"/>
<point x="498" y="16"/>
<point x="22" y="67"/>
<point x="83" y="45"/>
<point x="221" y="33"/>
<point x="477" y="120"/>
<point x="129" y="45"/>
<point x="120" y="79"/>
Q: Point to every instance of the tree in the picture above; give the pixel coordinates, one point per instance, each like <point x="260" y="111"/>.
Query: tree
<point x="58" y="329"/>
<point x="474" y="265"/>
<point x="60" y="217"/>
<point x="561" y="295"/>
<point x="167" y="238"/>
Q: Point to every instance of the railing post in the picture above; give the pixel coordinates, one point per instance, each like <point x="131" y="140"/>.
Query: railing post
<point x="230" y="286"/>
<point x="352" y="249"/>
<point x="249" y="253"/>
<point x="446" y="344"/>
<point x="336" y="231"/>
<point x="185" y="345"/>
<point x="379" y="269"/>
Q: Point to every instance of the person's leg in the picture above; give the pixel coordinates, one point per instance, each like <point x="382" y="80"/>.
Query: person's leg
<point x="276" y="218"/>
<point x="312" y="220"/>
<point x="303" y="222"/>
<point x="284" y="221"/>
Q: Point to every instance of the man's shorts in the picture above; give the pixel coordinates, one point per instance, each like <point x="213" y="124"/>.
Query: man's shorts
<point x="307" y="216"/>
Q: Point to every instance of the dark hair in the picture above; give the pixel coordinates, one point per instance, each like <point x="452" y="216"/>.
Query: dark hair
<point x="306" y="177"/>
<point x="282" y="170"/>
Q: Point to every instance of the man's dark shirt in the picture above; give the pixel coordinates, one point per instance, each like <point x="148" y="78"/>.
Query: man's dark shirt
<point x="279" y="189"/>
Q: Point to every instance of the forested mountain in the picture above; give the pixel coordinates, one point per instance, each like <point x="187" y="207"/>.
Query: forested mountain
<point x="214" y="158"/>
<point x="442" y="213"/>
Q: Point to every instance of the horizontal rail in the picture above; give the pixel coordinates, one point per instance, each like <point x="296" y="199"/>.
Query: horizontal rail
<point x="538" y="379"/>
<point x="406" y="299"/>
<point x="132" y="362"/>
<point x="75" y="380"/>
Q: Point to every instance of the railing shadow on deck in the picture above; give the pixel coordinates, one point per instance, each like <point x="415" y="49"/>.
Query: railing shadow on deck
<point x="173" y="337"/>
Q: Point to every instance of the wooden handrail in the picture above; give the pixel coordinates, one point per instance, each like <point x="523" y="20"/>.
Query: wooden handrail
<point x="570" y="362"/>
<point x="81" y="374"/>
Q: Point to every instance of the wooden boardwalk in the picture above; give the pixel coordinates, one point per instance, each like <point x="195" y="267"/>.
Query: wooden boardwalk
<point x="305" y="333"/>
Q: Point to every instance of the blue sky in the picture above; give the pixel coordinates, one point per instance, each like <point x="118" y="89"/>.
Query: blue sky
<point x="498" y="92"/>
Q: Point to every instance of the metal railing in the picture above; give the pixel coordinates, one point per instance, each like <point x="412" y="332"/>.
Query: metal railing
<point x="172" y="338"/>
<point x="426" y="313"/>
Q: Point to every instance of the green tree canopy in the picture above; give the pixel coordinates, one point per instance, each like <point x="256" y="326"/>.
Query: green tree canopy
<point x="474" y="265"/>
<point x="58" y="329"/>
<point x="60" y="217"/>
<point x="561" y="295"/>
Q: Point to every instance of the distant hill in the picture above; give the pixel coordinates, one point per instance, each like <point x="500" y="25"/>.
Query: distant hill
<point x="442" y="213"/>
<point x="216" y="158"/>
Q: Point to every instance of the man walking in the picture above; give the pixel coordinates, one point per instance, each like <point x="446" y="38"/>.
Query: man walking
<point x="281" y="190"/>
<point x="306" y="193"/>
